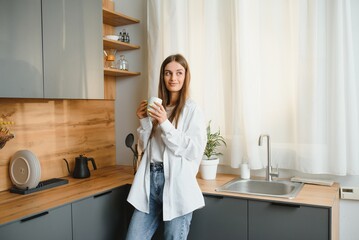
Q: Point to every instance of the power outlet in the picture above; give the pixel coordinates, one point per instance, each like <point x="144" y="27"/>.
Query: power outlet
<point x="349" y="193"/>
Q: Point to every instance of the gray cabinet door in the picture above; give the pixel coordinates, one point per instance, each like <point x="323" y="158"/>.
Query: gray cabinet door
<point x="278" y="221"/>
<point x="53" y="224"/>
<point x="20" y="49"/>
<point x="221" y="218"/>
<point x="103" y="216"/>
<point x="73" y="49"/>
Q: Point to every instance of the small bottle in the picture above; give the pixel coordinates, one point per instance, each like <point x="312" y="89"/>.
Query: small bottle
<point x="122" y="63"/>
<point x="127" y="38"/>
<point x="245" y="171"/>
<point x="120" y="36"/>
<point x="123" y="39"/>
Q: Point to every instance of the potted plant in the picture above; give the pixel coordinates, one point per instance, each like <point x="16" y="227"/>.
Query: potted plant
<point x="209" y="163"/>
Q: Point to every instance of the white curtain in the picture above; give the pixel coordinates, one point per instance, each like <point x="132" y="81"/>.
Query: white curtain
<point x="281" y="67"/>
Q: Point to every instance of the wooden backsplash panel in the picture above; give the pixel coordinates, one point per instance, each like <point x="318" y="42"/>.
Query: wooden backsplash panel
<point x="57" y="129"/>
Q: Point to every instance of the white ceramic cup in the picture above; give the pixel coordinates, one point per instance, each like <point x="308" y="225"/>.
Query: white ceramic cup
<point x="152" y="100"/>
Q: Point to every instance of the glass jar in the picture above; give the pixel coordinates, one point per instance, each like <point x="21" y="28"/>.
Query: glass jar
<point x="122" y="63"/>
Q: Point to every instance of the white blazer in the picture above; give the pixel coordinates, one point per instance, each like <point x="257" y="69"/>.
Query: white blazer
<point x="183" y="152"/>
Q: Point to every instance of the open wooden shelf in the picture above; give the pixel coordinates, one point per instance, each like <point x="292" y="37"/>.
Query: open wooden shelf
<point x="107" y="43"/>
<point x="112" y="20"/>
<point x="117" y="19"/>
<point x="119" y="73"/>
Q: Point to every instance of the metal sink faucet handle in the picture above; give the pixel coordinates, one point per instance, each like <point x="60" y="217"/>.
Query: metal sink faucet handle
<point x="269" y="172"/>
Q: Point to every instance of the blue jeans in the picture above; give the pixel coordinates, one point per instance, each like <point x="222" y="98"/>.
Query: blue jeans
<point x="144" y="225"/>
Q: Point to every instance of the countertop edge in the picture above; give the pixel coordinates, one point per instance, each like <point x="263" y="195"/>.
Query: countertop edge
<point x="14" y="207"/>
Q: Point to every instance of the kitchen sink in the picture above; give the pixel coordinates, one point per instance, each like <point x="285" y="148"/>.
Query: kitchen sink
<point x="282" y="189"/>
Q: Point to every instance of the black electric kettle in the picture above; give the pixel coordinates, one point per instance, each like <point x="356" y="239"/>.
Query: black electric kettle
<point x="81" y="169"/>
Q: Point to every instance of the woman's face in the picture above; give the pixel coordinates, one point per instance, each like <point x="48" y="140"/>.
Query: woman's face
<point x="174" y="76"/>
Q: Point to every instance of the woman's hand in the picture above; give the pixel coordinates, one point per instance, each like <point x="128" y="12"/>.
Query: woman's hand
<point x="142" y="109"/>
<point x="157" y="112"/>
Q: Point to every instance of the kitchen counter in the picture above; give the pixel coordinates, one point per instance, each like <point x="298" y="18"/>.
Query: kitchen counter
<point x="323" y="196"/>
<point x="14" y="206"/>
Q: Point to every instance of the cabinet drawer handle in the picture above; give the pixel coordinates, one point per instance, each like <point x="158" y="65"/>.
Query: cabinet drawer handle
<point x="286" y="205"/>
<point x="102" y="194"/>
<point x="34" y="216"/>
<point x="214" y="196"/>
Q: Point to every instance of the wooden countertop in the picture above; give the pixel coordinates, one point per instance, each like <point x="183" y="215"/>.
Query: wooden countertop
<point x="15" y="206"/>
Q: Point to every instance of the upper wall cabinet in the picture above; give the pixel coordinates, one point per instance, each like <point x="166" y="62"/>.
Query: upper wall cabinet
<point x="51" y="49"/>
<point x="72" y="40"/>
<point x="20" y="49"/>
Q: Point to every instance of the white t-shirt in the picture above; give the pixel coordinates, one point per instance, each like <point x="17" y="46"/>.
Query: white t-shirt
<point x="157" y="146"/>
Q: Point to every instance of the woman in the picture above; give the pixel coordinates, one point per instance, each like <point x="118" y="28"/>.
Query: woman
<point x="165" y="186"/>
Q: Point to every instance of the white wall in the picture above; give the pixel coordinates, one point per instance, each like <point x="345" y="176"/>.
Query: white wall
<point x="130" y="91"/>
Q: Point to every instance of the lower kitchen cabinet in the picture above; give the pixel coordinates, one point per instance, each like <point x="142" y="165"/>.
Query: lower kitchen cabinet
<point x="106" y="216"/>
<point x="103" y="216"/>
<point x="221" y="218"/>
<point x="236" y="218"/>
<point x="269" y="220"/>
<point x="53" y="224"/>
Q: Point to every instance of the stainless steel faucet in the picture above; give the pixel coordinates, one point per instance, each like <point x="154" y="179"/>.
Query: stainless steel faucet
<point x="269" y="171"/>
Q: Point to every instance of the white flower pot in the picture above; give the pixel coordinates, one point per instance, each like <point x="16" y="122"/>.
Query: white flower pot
<point x="208" y="168"/>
